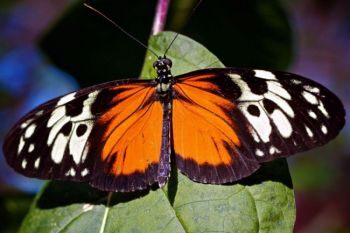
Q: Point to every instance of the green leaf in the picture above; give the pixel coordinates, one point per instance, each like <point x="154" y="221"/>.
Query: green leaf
<point x="186" y="55"/>
<point x="263" y="202"/>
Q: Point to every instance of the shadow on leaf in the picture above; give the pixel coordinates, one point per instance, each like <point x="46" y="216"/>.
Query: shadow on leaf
<point x="271" y="171"/>
<point x="64" y="193"/>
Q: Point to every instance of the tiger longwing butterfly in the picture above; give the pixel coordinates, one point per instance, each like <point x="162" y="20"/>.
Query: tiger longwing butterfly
<point x="218" y="125"/>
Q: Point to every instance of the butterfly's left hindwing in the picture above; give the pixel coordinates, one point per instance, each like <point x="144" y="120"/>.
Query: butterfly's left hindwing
<point x="226" y="121"/>
<point x="108" y="135"/>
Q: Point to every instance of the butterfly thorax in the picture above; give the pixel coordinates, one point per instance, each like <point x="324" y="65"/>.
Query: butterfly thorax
<point x="164" y="77"/>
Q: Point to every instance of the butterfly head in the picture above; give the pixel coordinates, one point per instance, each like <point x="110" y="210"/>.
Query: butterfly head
<point x="164" y="76"/>
<point x="162" y="65"/>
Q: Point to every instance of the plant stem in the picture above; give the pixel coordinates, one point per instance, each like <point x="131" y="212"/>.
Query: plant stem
<point x="160" y="16"/>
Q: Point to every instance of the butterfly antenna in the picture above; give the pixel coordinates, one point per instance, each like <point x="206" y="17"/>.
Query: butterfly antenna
<point x="120" y="28"/>
<point x="177" y="34"/>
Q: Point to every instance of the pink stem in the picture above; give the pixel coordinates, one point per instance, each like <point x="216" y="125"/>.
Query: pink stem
<point x="160" y="16"/>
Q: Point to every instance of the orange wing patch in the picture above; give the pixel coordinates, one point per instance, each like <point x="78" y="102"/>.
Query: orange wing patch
<point x="206" y="131"/>
<point x="202" y="129"/>
<point x="132" y="139"/>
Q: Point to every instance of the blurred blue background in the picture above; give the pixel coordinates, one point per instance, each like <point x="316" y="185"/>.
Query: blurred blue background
<point x="321" y="51"/>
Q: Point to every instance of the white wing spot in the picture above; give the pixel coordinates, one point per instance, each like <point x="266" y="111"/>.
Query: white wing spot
<point x="282" y="123"/>
<point x="77" y="144"/>
<point x="277" y="88"/>
<point x="295" y="81"/>
<point x="312" y="89"/>
<point x="56" y="128"/>
<point x="65" y="99"/>
<point x="280" y="102"/>
<point x="310" y="97"/>
<point x="58" y="148"/>
<point x="264" y="74"/>
<point x="31" y="148"/>
<point x="323" y="110"/>
<point x="26" y="123"/>
<point x="39" y="113"/>
<point x="84" y="172"/>
<point x="261" y="124"/>
<point x="56" y="116"/>
<point x="259" y="152"/>
<point x="20" y="145"/>
<point x="85" y="152"/>
<point x="37" y="163"/>
<point x="274" y="150"/>
<point x="309" y="132"/>
<point x="24" y="163"/>
<point x="312" y="114"/>
<point x="70" y="172"/>
<point x="324" y="129"/>
<point x="235" y="76"/>
<point x="29" y="131"/>
<point x="255" y="136"/>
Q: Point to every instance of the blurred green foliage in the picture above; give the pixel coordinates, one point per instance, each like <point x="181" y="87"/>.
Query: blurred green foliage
<point x="13" y="207"/>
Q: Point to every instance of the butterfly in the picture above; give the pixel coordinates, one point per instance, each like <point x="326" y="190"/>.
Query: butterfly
<point x="216" y="124"/>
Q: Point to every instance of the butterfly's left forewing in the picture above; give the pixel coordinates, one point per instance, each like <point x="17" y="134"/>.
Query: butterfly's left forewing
<point x="226" y="121"/>
<point x="108" y="135"/>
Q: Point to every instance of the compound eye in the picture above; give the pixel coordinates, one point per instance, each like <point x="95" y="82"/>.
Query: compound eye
<point x="155" y="64"/>
<point x="168" y="62"/>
